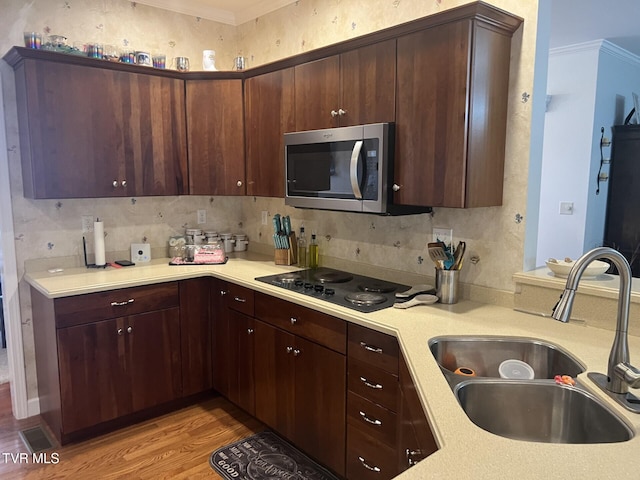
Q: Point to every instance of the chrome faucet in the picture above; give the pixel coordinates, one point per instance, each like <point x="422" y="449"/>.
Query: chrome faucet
<point x="620" y="373"/>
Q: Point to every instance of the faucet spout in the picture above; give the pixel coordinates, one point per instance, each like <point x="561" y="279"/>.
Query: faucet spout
<point x="617" y="381"/>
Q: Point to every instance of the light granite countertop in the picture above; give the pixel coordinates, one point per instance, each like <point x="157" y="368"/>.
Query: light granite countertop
<point x="466" y="451"/>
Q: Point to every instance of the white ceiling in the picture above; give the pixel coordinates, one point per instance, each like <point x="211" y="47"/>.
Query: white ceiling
<point x="231" y="12"/>
<point x="579" y="21"/>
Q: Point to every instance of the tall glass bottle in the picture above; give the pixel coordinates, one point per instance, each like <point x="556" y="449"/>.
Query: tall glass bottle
<point x="302" y="249"/>
<point x="314" y="252"/>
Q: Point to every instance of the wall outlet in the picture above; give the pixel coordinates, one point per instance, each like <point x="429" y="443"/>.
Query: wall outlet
<point x="265" y="217"/>
<point x="87" y="223"/>
<point x="566" y="208"/>
<point x="202" y="217"/>
<point x="443" y="234"/>
<point x="140" y="252"/>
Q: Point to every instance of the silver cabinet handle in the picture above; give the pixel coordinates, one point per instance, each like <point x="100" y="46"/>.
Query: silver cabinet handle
<point x="120" y="304"/>
<point x="369" y="348"/>
<point x="123" y="183"/>
<point x="120" y="331"/>
<point x="129" y="329"/>
<point x="369" y="420"/>
<point x="115" y="184"/>
<point x="223" y="292"/>
<point x="294" y="320"/>
<point x="241" y="300"/>
<point x="296" y="352"/>
<point x="289" y="349"/>
<point x="334" y="113"/>
<point x="353" y="170"/>
<point x="368" y="467"/>
<point x="410" y="454"/>
<point x="341" y="112"/>
<point x="396" y="187"/>
<point x="249" y="331"/>
<point x="239" y="183"/>
<point x="376" y="386"/>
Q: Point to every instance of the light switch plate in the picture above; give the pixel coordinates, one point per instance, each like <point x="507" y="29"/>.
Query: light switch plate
<point x="140" y="252"/>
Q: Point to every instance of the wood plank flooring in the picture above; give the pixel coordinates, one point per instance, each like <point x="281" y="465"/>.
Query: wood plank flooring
<point x="176" y="445"/>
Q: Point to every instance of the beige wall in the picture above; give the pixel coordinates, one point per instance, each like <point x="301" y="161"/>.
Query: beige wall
<point x="48" y="228"/>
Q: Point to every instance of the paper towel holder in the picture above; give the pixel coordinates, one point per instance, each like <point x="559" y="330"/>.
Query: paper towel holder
<point x="89" y="265"/>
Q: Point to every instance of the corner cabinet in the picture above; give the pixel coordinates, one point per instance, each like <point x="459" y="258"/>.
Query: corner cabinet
<point x="453" y="81"/>
<point x="91" y="128"/>
<point x="215" y="131"/>
<point x="269" y="114"/>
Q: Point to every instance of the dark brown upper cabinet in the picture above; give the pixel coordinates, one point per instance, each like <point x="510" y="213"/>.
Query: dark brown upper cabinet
<point x="98" y="132"/>
<point x="269" y="114"/>
<point x="353" y="88"/>
<point x="451" y="115"/>
<point x="215" y="131"/>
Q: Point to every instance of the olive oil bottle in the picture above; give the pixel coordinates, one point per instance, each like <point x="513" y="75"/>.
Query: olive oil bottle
<point x="302" y="249"/>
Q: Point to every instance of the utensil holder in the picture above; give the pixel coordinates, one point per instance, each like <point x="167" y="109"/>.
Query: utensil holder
<point x="447" y="285"/>
<point x="287" y="256"/>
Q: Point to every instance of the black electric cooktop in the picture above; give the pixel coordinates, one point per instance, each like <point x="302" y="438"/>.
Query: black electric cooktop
<point x="364" y="294"/>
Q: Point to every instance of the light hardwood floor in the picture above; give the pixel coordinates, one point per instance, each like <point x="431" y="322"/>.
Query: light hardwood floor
<point x="176" y="445"/>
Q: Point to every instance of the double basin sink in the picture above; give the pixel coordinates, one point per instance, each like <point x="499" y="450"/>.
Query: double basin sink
<point x="538" y="410"/>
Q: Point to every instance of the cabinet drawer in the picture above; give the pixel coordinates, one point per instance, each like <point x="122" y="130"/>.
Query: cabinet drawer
<point x="373" y="347"/>
<point x="367" y="458"/>
<point x="81" y="309"/>
<point x="240" y="299"/>
<point x="371" y="418"/>
<point x="315" y="326"/>
<point x="374" y="384"/>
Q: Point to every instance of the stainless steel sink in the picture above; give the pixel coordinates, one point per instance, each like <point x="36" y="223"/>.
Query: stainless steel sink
<point x="540" y="411"/>
<point x="484" y="354"/>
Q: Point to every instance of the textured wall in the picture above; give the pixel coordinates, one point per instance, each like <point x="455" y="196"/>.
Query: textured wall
<point x="46" y="228"/>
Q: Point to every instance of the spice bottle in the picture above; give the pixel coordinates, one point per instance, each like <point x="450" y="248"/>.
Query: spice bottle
<point x="314" y="252"/>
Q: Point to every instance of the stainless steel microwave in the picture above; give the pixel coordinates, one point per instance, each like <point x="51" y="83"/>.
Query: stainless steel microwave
<point x="348" y="169"/>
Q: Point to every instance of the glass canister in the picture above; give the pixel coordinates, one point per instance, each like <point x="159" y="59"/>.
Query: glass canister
<point x="241" y="242"/>
<point x="228" y="240"/>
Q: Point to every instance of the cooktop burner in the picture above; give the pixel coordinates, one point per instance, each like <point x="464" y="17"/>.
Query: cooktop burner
<point x="365" y="298"/>
<point x="364" y="294"/>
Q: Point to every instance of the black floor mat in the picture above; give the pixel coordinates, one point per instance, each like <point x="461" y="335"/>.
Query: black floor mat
<point x="36" y="439"/>
<point x="265" y="456"/>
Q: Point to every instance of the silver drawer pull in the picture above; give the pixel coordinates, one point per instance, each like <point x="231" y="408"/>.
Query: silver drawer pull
<point x="241" y="300"/>
<point x="129" y="329"/>
<point x="293" y="320"/>
<point x="377" y="386"/>
<point x="296" y="352"/>
<point x="369" y="348"/>
<point x="289" y="349"/>
<point x="368" y="467"/>
<point x="249" y="331"/>
<point x="120" y="304"/>
<point x="120" y="331"/>
<point x="369" y="420"/>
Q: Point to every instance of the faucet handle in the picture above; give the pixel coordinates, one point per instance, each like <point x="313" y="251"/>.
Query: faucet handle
<point x="628" y="373"/>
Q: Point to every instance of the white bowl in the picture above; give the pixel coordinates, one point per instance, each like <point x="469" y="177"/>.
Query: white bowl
<point x="561" y="269"/>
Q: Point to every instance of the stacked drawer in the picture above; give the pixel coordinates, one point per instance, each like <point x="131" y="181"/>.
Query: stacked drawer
<point x="372" y="398"/>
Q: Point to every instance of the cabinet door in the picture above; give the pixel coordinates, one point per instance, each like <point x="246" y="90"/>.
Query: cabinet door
<point x="91" y="132"/>
<point x="431" y="115"/>
<point x="215" y="131"/>
<point x="195" y="335"/>
<point x="94" y="381"/>
<point x="153" y="340"/>
<point x="368" y="84"/>
<point x="269" y="113"/>
<point x="241" y="383"/>
<point x="320" y="403"/>
<point x="317" y="94"/>
<point x="274" y="380"/>
<point x="222" y="350"/>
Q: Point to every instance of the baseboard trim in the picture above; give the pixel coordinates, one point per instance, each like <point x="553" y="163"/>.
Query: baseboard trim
<point x="33" y="407"/>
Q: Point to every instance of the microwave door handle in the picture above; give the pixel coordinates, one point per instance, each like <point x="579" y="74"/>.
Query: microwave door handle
<point x="355" y="154"/>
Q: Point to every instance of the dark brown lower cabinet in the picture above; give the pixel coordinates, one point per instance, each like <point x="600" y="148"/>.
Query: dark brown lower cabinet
<point x="111" y="368"/>
<point x="416" y="440"/>
<point x="300" y="392"/>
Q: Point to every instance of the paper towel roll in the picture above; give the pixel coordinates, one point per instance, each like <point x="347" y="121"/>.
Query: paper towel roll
<point x="98" y="241"/>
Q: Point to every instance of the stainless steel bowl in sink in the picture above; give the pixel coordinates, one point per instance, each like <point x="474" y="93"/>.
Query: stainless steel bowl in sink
<point x="484" y="354"/>
<point x="540" y="411"/>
